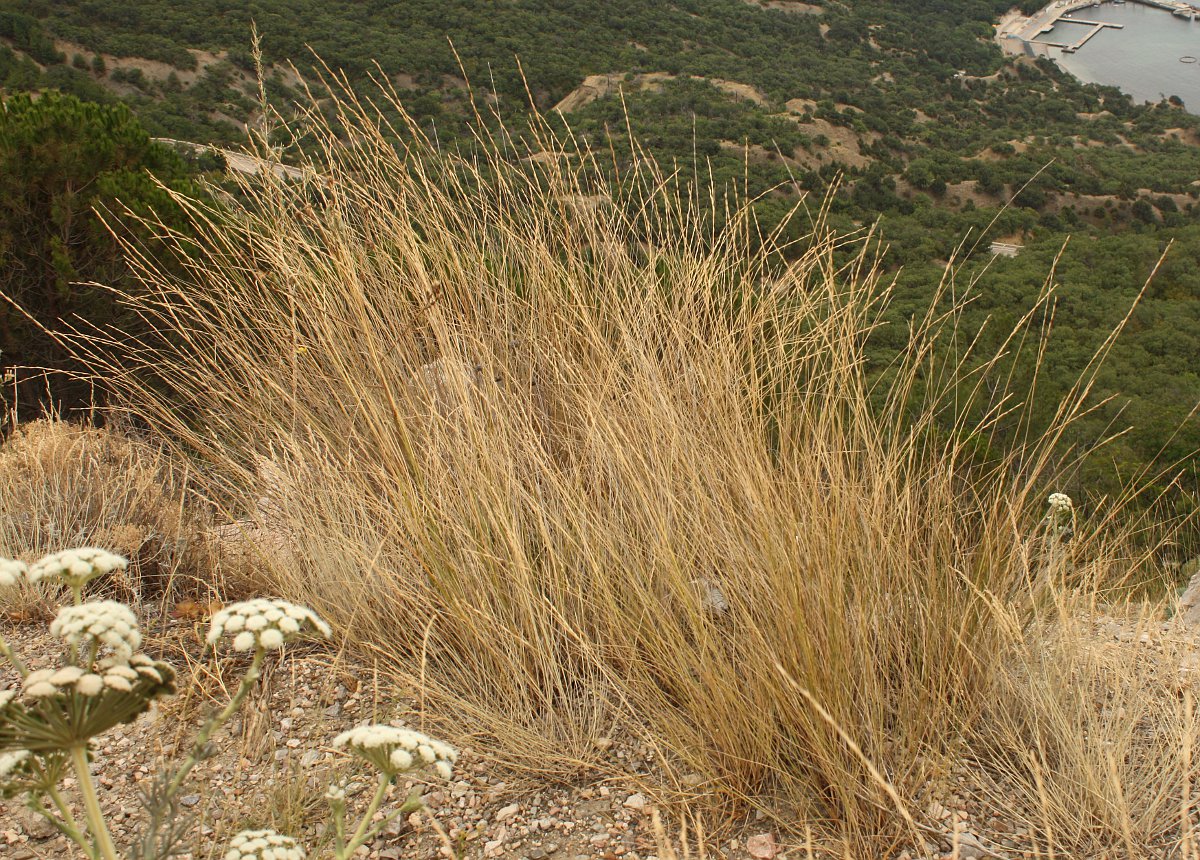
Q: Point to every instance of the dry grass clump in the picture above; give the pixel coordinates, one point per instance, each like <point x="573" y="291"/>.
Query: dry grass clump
<point x="1093" y="734"/>
<point x="576" y="467"/>
<point x="64" y="485"/>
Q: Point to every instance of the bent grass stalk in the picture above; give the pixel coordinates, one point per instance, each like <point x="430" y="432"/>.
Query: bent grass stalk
<point x="8" y="654"/>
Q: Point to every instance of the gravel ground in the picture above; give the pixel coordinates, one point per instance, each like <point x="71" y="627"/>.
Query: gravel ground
<point x="275" y="762"/>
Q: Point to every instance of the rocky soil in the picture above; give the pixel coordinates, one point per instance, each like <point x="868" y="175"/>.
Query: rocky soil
<point x="275" y="763"/>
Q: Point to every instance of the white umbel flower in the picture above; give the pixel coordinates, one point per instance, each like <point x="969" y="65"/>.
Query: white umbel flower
<point x="266" y="624"/>
<point x="51" y="682"/>
<point x="10" y="761"/>
<point x="394" y="750"/>
<point x="106" y="622"/>
<point x="12" y="572"/>
<point x="1060" y="502"/>
<point x="77" y="566"/>
<point x="109" y="674"/>
<point x="140" y="664"/>
<point x="263" y="845"/>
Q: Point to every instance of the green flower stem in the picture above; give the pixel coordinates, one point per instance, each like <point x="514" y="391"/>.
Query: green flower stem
<point x="12" y="658"/>
<point x="338" y="808"/>
<point x="72" y="828"/>
<point x="361" y="834"/>
<point x="65" y="825"/>
<point x="105" y="848"/>
<point x="411" y="805"/>
<point x="77" y="597"/>
<point x="206" y="731"/>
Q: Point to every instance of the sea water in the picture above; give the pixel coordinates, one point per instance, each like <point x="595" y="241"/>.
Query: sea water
<point x="1151" y="58"/>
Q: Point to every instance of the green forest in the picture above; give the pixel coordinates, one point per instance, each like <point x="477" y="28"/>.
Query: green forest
<point x="906" y="111"/>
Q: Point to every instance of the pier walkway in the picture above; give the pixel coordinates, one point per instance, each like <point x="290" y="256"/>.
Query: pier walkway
<point x="1029" y="30"/>
<point x="1072" y="47"/>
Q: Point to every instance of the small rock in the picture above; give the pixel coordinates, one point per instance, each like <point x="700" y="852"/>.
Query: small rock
<point x="1188" y="609"/>
<point x="189" y="800"/>
<point x="970" y="848"/>
<point x="762" y="846"/>
<point x="33" y="825"/>
<point x="636" y="801"/>
<point x="938" y="812"/>
<point x="508" y="812"/>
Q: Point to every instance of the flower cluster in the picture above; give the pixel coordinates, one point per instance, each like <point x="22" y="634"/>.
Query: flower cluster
<point x="11" y="761"/>
<point x="395" y="750"/>
<point x="1060" y="503"/>
<point x="12" y="572"/>
<point x="76" y="567"/>
<point x="119" y="676"/>
<point x="102" y="623"/>
<point x="265" y="624"/>
<point x="263" y="845"/>
<point x="63" y="707"/>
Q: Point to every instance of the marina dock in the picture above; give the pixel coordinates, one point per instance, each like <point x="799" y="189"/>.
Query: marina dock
<point x="1030" y="30"/>
<point x="1072" y="47"/>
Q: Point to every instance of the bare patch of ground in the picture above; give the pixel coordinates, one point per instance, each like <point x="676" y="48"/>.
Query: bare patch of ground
<point x="843" y="148"/>
<point x="958" y="194"/>
<point x="1184" y="135"/>
<point x="795" y="7"/>
<point x="600" y="86"/>
<point x="152" y="69"/>
<point x="741" y="91"/>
